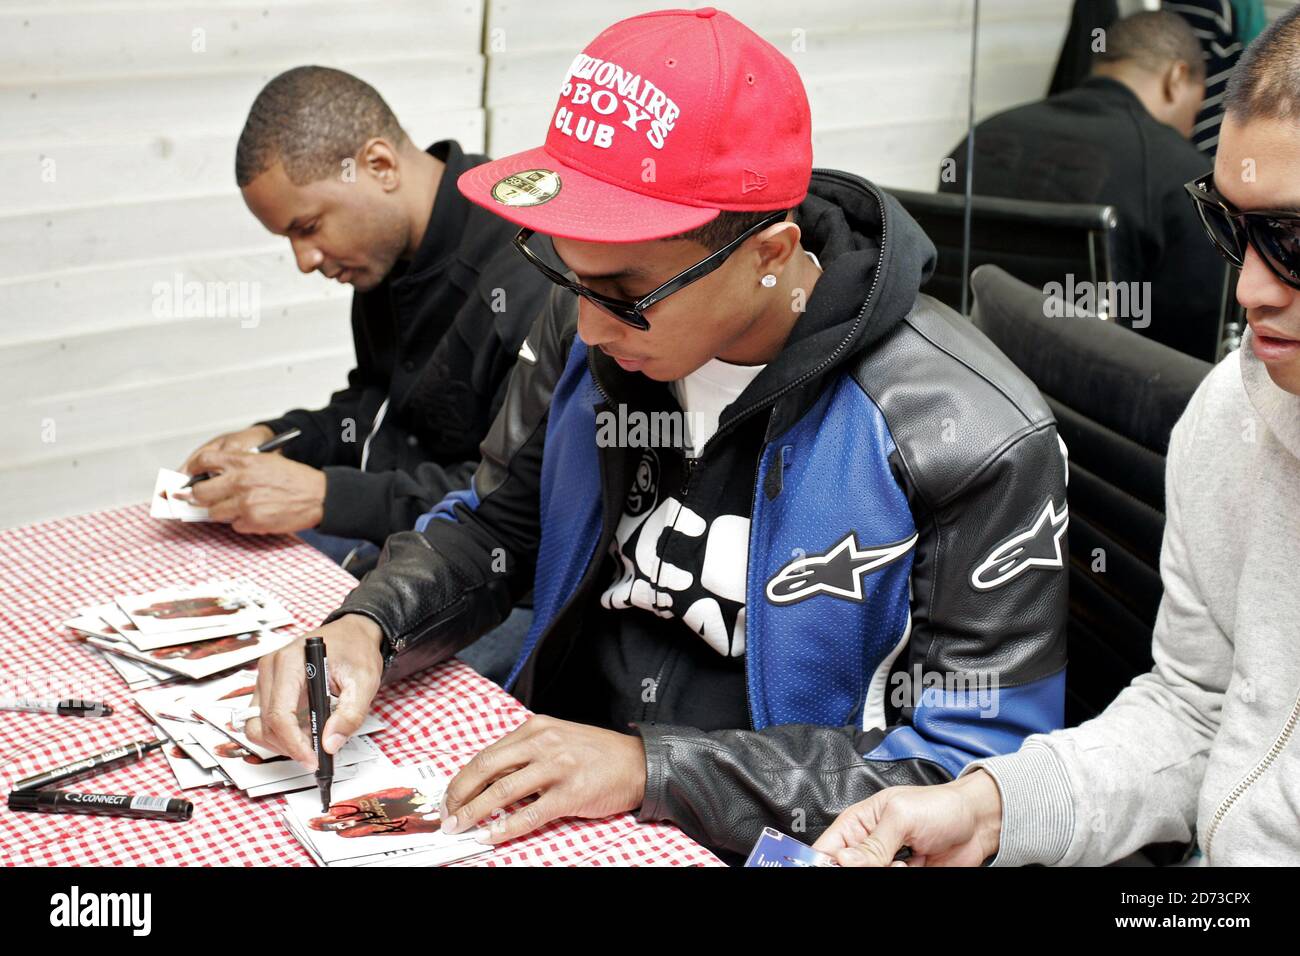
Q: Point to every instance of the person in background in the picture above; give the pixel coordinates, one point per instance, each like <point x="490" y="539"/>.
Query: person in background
<point x="1120" y="138"/>
<point x="440" y="308"/>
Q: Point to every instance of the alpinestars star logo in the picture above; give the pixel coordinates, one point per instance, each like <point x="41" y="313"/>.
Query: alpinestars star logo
<point x="837" y="573"/>
<point x="1039" y="546"/>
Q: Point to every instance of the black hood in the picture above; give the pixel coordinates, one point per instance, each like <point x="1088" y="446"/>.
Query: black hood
<point x="874" y="259"/>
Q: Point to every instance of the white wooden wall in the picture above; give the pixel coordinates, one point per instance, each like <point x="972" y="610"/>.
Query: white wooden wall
<point x="118" y="120"/>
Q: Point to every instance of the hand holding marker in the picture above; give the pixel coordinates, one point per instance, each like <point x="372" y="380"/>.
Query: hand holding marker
<point x="271" y="444"/>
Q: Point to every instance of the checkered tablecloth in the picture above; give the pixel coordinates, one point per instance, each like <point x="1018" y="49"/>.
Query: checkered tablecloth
<point x="49" y="570"/>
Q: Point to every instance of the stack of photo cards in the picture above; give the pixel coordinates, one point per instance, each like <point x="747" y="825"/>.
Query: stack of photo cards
<point x="384" y="816"/>
<point x="136" y="673"/>
<point x="169" y="500"/>
<point x="205" y="724"/>
<point x="193" y="631"/>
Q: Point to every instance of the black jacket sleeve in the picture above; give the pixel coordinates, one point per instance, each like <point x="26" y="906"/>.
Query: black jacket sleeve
<point x="323" y="437"/>
<point x="437" y="590"/>
<point x="374" y="504"/>
<point x="474" y="359"/>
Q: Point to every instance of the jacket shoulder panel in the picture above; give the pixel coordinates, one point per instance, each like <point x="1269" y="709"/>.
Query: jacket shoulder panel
<point x="953" y="401"/>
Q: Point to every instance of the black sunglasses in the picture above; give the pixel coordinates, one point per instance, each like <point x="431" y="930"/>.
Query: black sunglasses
<point x="633" y="313"/>
<point x="1273" y="233"/>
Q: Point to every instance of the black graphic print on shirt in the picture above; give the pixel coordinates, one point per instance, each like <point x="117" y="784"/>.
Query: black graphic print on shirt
<point x="677" y="563"/>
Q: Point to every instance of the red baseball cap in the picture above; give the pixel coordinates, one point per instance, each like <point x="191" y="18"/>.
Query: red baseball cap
<point x="664" y="120"/>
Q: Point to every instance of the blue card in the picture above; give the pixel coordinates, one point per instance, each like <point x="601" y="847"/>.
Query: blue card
<point x="776" y="849"/>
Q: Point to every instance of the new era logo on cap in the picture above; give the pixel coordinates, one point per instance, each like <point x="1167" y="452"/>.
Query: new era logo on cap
<point x="662" y="121"/>
<point x="528" y="187"/>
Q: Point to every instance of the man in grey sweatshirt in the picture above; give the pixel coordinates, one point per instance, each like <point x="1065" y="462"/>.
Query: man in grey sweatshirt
<point x="1206" y="746"/>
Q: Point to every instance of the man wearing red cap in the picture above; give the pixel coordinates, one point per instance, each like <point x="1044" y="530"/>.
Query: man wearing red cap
<point x="795" y="532"/>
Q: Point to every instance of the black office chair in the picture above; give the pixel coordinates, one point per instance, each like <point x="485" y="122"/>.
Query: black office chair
<point x="1116" y="396"/>
<point x="1037" y="242"/>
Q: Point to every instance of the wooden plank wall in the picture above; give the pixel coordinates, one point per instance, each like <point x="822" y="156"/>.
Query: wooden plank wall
<point x="118" y="120"/>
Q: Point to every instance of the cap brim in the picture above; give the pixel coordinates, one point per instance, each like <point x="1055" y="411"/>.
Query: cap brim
<point x="584" y="208"/>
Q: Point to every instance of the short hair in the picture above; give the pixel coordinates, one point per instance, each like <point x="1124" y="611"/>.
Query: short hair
<point x="310" y="119"/>
<point x="1264" y="82"/>
<point x="726" y="227"/>
<point x="1152" y="40"/>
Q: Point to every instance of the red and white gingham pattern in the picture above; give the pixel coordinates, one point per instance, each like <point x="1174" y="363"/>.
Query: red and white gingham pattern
<point x="51" y="569"/>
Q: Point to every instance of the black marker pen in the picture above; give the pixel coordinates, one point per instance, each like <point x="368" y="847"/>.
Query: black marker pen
<point x="71" y="707"/>
<point x="318" y="705"/>
<point x="109" y="759"/>
<point x="107" y="804"/>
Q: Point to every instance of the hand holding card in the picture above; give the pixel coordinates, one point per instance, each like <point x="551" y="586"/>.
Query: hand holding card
<point x="775" y="849"/>
<point x="170" y="502"/>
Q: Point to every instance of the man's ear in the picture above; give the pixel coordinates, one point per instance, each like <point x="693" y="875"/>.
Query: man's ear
<point x="378" y="158"/>
<point x="776" y="244"/>
<point x="1177" y="74"/>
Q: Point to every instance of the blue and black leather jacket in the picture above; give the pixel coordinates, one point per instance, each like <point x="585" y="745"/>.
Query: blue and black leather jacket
<point x="905" y="592"/>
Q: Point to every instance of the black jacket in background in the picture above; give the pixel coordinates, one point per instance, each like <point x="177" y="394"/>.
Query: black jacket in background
<point x="438" y="337"/>
<point x="1097" y="143"/>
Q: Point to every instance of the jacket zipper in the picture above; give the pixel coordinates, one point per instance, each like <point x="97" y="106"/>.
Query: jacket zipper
<point x="374" y="427"/>
<point x="690" y="465"/>
<point x="583" y="583"/>
<point x="1265" y="762"/>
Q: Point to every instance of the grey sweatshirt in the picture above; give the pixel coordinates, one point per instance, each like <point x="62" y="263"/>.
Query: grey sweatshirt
<point x="1206" y="745"/>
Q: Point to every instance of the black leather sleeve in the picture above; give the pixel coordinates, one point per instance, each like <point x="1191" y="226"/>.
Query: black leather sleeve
<point x="723" y="787"/>
<point x="437" y="590"/>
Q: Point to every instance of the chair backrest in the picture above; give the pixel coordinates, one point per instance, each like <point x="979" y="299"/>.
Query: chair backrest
<point x="1037" y="242"/>
<point x="1116" y="396"/>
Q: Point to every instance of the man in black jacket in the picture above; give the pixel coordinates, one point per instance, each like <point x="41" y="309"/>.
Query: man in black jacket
<point x="440" y="310"/>
<point x="795" y="531"/>
<point x="1120" y="138"/>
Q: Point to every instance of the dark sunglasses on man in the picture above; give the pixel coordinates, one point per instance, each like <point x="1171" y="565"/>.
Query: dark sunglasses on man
<point x="1273" y="233"/>
<point x="633" y="313"/>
